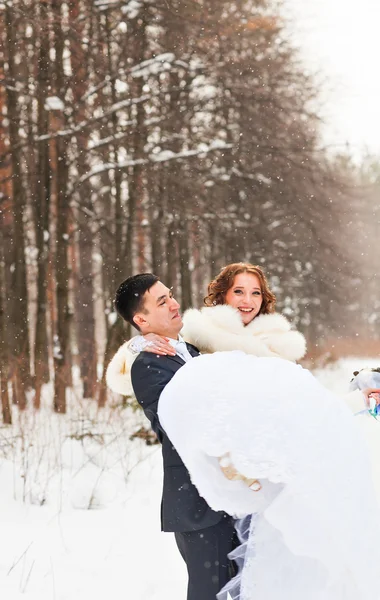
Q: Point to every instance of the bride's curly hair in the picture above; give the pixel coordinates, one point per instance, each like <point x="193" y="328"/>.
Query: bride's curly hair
<point x="218" y="287"/>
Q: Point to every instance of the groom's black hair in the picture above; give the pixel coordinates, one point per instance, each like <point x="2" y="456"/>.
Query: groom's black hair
<point x="129" y="297"/>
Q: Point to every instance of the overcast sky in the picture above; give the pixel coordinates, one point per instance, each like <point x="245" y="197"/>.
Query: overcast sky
<point x="341" y="39"/>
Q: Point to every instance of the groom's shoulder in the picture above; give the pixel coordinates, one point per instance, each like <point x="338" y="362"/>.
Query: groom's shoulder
<point x="143" y="359"/>
<point x="151" y="369"/>
<point x="148" y="360"/>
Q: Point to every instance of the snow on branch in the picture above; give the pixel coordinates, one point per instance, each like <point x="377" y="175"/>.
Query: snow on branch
<point x="54" y="103"/>
<point x="106" y="4"/>
<point x="132" y="9"/>
<point x="254" y="176"/>
<point x="111" y="139"/>
<point x="153" y="66"/>
<point x="92" y="145"/>
<point x="161" y="157"/>
<point x="125" y="104"/>
<point x="83" y="124"/>
<point x="166" y="155"/>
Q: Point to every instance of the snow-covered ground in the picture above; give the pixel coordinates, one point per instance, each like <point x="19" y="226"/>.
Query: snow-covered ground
<point x="116" y="551"/>
<point x="79" y="507"/>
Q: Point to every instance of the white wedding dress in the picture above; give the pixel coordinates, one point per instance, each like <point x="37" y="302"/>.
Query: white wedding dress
<point x="315" y="533"/>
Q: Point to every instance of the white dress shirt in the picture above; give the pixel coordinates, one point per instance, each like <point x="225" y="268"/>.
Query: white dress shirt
<point x="181" y="348"/>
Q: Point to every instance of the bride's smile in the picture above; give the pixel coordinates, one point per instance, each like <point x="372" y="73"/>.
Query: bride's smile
<point x="246" y="296"/>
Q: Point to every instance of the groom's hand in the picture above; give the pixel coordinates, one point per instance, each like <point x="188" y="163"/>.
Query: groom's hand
<point x="232" y="474"/>
<point x="228" y="469"/>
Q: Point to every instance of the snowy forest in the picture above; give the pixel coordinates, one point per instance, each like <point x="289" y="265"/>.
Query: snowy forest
<point x="173" y="137"/>
<point x="169" y="136"/>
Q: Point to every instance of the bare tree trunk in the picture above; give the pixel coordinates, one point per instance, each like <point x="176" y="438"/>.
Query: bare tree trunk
<point x="184" y="263"/>
<point x="124" y="255"/>
<point x="142" y="255"/>
<point x="4" y="350"/>
<point x="120" y="266"/>
<point x="85" y="317"/>
<point x="118" y="260"/>
<point x="156" y="222"/>
<point x="62" y="342"/>
<point x="41" y="207"/>
<point x="84" y="288"/>
<point x="214" y="251"/>
<point x="171" y="252"/>
<point x="19" y="288"/>
<point x="5" y="191"/>
<point x="117" y="334"/>
<point x="136" y="173"/>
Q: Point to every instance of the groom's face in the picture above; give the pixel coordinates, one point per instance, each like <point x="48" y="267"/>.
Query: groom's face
<point x="160" y="313"/>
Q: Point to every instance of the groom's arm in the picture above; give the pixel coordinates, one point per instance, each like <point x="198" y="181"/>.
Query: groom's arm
<point x="149" y="378"/>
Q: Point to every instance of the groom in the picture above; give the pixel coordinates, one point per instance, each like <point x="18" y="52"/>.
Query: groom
<point x="204" y="537"/>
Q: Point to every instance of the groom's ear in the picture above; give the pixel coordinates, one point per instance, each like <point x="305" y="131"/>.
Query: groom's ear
<point x="140" y="320"/>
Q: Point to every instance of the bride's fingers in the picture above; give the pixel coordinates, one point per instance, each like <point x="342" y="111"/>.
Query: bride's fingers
<point x="157" y="348"/>
<point x="163" y="345"/>
<point x="167" y="349"/>
<point x="158" y="344"/>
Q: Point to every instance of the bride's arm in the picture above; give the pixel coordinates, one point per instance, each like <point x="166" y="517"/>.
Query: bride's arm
<point x="118" y="376"/>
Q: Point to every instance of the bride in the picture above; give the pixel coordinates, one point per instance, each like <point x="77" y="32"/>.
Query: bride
<point x="315" y="531"/>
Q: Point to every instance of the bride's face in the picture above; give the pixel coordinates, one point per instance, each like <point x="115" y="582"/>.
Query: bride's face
<point x="245" y="294"/>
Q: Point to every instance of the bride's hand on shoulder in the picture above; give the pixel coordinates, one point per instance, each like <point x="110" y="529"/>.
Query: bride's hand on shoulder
<point x="158" y="344"/>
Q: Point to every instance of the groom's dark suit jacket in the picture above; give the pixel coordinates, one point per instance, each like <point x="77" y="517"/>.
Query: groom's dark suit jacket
<point x="182" y="508"/>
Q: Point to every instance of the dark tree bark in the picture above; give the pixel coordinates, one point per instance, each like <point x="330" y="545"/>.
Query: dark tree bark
<point x="136" y="172"/>
<point x="84" y="288"/>
<point x="117" y="335"/>
<point x="19" y="304"/>
<point x="41" y="206"/>
<point x="62" y="341"/>
<point x="4" y="350"/>
<point x="184" y="262"/>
